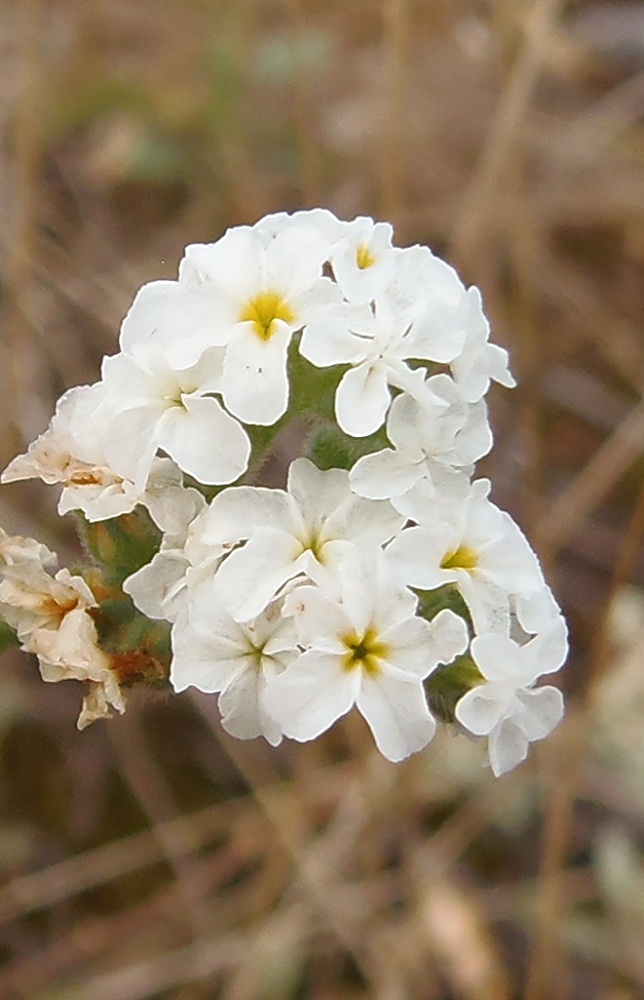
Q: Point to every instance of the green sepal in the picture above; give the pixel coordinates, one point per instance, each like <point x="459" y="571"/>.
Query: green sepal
<point x="447" y="597"/>
<point x="330" y="448"/>
<point x="447" y="685"/>
<point x="121" y="545"/>
<point x="312" y="389"/>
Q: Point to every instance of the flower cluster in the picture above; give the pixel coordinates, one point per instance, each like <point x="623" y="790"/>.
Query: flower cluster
<point x="381" y="576"/>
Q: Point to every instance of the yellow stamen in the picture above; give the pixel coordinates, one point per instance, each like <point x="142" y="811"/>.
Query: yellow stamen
<point x="365" y="652"/>
<point x="364" y="257"/>
<point x="461" y="558"/>
<point x="263" y="310"/>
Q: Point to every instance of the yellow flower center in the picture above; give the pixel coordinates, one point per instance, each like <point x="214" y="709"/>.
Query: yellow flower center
<point x="263" y="310"/>
<point x="461" y="558"/>
<point x="364" y="651"/>
<point x="364" y="257"/>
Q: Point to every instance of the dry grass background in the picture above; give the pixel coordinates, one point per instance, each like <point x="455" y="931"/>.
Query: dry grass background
<point x="153" y="857"/>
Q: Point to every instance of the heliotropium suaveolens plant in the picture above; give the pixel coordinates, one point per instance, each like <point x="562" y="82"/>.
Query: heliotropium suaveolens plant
<point x="379" y="577"/>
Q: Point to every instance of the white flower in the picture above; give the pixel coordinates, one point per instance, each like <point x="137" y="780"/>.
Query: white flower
<point x="376" y="342"/>
<point x="71" y="452"/>
<point x="160" y="588"/>
<point x="364" y="647"/>
<point x="213" y="652"/>
<point x="445" y="314"/>
<point x="303" y="530"/>
<point x="479" y="361"/>
<point x="363" y="261"/>
<point x="432" y="443"/>
<point x="506" y="707"/>
<point x="152" y="405"/>
<point x="473" y="544"/>
<point x="262" y="291"/>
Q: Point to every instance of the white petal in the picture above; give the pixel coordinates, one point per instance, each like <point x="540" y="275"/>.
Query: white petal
<point x="204" y="440"/>
<point x="238" y="512"/>
<point x="544" y="709"/>
<point x="180" y="318"/>
<point x="254" y="381"/>
<point x="507" y="747"/>
<point x="328" y="342"/>
<point x="310" y="695"/>
<point x="100" y="503"/>
<point x="317" y="493"/>
<point x="449" y="636"/>
<point x="416" y="554"/>
<point x="293" y="260"/>
<point x="481" y="709"/>
<point x="251" y="576"/>
<point x="407" y="423"/>
<point x="320" y="621"/>
<point x="132" y="442"/>
<point x="233" y="264"/>
<point x="242" y="711"/>
<point x="500" y="659"/>
<point x="488" y="603"/>
<point x="409" y="648"/>
<point x="384" y="474"/>
<point x="362" y="399"/>
<point x="547" y="651"/>
<point x="198" y="663"/>
<point x="397" y="714"/>
<point x="155" y="587"/>
<point x="371" y="522"/>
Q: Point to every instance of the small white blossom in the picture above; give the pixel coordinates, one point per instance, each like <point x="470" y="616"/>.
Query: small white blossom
<point x="434" y="437"/>
<point x="376" y="342"/>
<point x="303" y="530"/>
<point x="473" y="544"/>
<point x="151" y="405"/>
<point x="72" y="452"/>
<point x="214" y="653"/>
<point x="262" y="292"/>
<point x="480" y="362"/>
<point x="363" y="261"/>
<point x="365" y="647"/>
<point x="293" y="605"/>
<point x="160" y="588"/>
<point x="506" y="707"/>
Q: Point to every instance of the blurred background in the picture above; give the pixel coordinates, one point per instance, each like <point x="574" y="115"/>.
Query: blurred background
<point x="153" y="857"/>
